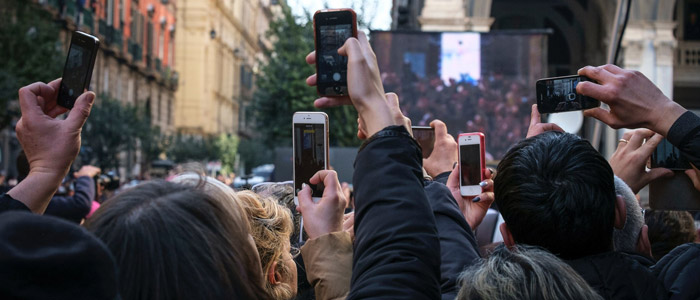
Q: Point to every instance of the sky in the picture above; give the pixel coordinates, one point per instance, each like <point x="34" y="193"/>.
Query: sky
<point x="382" y="13"/>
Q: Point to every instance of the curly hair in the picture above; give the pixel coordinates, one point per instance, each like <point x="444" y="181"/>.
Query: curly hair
<point x="271" y="226"/>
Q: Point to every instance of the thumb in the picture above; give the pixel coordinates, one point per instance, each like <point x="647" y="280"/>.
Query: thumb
<point x="693" y="174"/>
<point x="600" y="114"/>
<point x="304" y="197"/>
<point x="81" y="109"/>
<point x="534" y="115"/>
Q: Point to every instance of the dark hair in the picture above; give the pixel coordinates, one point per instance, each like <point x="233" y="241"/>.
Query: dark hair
<point x="556" y="191"/>
<point x="669" y="229"/>
<point x="172" y="241"/>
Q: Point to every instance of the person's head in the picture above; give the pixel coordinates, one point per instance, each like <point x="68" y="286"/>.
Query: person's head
<point x="283" y="192"/>
<point x="173" y="241"/>
<point x="44" y="257"/>
<point x="627" y="238"/>
<point x="271" y="225"/>
<point x="668" y="230"/>
<point x="523" y="272"/>
<point x="556" y="191"/>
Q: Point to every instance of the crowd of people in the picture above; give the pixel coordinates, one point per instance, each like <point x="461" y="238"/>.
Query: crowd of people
<point x="572" y="226"/>
<point x="496" y="104"/>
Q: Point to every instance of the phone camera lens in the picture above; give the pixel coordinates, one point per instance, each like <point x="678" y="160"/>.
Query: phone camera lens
<point x="337" y="89"/>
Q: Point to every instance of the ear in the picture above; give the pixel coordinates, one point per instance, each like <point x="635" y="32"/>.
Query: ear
<point x="272" y="276"/>
<point x="620" y="212"/>
<point x="643" y="244"/>
<point x="507" y="236"/>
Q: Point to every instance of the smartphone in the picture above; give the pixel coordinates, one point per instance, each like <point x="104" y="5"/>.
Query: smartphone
<point x="77" y="71"/>
<point x="310" y="144"/>
<point x="425" y="136"/>
<point x="558" y="94"/>
<point x="668" y="156"/>
<point x="332" y="27"/>
<point x="471" y="163"/>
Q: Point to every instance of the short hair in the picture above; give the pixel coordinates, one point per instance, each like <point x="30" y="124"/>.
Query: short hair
<point x="523" y="272"/>
<point x="626" y="239"/>
<point x="556" y="191"/>
<point x="173" y="241"/>
<point x="271" y="225"/>
<point x="668" y="230"/>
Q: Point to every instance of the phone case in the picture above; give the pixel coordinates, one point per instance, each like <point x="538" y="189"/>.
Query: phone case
<point x="354" y="34"/>
<point x="482" y="151"/>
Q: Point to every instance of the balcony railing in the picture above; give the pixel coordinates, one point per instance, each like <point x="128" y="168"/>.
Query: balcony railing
<point x="158" y="64"/>
<point x="116" y="38"/>
<point x="102" y="28"/>
<point x="687" y="68"/>
<point x="135" y="51"/>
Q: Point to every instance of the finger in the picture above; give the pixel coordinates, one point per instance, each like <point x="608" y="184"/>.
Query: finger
<point x="29" y="97"/>
<point x="56" y="111"/>
<point x="440" y="129"/>
<point x="351" y="49"/>
<point x="305" y="199"/>
<point x="600" y="114"/>
<point x="534" y="116"/>
<point x="325" y="102"/>
<point x="486" y="185"/>
<point x="488" y="173"/>
<point x="651" y="144"/>
<point x="56" y="85"/>
<point x="598" y="74"/>
<point x="613" y="69"/>
<point x="365" y="46"/>
<point x="312" y="80"/>
<point x="311" y="58"/>
<point x="81" y="110"/>
<point x="638" y="136"/>
<point x="329" y="179"/>
<point x="657" y="173"/>
<point x="550" y="127"/>
<point x="694" y="177"/>
<point x="453" y="179"/>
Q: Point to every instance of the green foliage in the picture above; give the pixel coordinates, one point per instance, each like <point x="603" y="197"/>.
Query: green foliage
<point x="227" y="147"/>
<point x="187" y="148"/>
<point x="254" y="153"/>
<point x="282" y="90"/>
<point x="30" y="50"/>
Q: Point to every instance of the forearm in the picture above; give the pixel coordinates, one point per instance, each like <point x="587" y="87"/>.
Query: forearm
<point x="36" y="190"/>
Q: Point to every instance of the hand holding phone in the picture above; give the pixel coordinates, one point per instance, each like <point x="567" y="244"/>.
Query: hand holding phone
<point x="310" y="150"/>
<point x="471" y="163"/>
<point x="77" y="71"/>
<point x="558" y="94"/>
<point x="332" y="27"/>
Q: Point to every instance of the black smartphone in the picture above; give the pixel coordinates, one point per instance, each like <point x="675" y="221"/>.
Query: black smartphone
<point x="310" y="147"/>
<point x="425" y="136"/>
<point x="78" y="68"/>
<point x="332" y="27"/>
<point x="558" y="94"/>
<point x="668" y="156"/>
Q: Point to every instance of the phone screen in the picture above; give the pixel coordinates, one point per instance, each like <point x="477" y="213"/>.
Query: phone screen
<point x="309" y="155"/>
<point x="425" y="138"/>
<point x="668" y="156"/>
<point x="332" y="30"/>
<point x="559" y="95"/>
<point x="470" y="164"/>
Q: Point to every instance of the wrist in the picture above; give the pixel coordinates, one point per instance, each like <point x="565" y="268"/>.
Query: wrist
<point x="667" y="115"/>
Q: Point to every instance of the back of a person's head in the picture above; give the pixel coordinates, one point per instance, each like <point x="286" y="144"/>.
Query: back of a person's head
<point x="523" y="272"/>
<point x="626" y="239"/>
<point x="173" y="241"/>
<point x="556" y="191"/>
<point x="284" y="194"/>
<point x="668" y="230"/>
<point x="271" y="225"/>
<point x="44" y="257"/>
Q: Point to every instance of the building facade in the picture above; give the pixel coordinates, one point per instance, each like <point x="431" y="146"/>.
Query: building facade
<point x="219" y="43"/>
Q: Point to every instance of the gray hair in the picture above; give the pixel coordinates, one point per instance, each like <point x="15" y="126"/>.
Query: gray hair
<point x="625" y="239"/>
<point x="523" y="272"/>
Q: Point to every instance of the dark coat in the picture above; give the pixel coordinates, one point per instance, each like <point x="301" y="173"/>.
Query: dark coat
<point x="685" y="134"/>
<point x="74" y="208"/>
<point x="396" y="250"/>
<point x="679" y="272"/>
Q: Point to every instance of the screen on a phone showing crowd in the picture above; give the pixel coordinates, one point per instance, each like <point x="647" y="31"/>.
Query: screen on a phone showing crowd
<point x="333" y="66"/>
<point x="560" y="95"/>
<point x="75" y="72"/>
<point x="470" y="161"/>
<point x="474" y="82"/>
<point x="309" y="155"/>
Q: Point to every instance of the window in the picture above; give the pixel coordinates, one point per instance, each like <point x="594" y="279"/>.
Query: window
<point x="110" y="12"/>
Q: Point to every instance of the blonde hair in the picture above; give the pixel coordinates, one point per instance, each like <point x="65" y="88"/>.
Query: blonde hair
<point x="271" y="226"/>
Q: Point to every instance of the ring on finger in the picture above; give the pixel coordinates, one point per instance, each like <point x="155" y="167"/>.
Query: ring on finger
<point x="624" y="141"/>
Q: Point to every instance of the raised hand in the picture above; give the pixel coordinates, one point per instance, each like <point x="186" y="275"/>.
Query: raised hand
<point x="326" y="216"/>
<point x="473" y="208"/>
<point x="630" y="159"/>
<point x="536" y="127"/>
<point x="445" y="151"/>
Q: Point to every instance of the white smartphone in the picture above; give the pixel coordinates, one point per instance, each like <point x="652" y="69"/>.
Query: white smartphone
<point x="471" y="163"/>
<point x="310" y="144"/>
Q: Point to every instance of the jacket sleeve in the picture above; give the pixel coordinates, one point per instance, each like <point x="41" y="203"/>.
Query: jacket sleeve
<point x="685" y="135"/>
<point x="458" y="248"/>
<point x="8" y="203"/>
<point x="678" y="272"/>
<point x="396" y="250"/>
<point x="76" y="207"/>
<point x="328" y="262"/>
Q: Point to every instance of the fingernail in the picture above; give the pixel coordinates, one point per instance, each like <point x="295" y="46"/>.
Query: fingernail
<point x="491" y="170"/>
<point x="91" y="97"/>
<point x="476" y="199"/>
<point x="454" y="165"/>
<point x="303" y="186"/>
<point x="483" y="183"/>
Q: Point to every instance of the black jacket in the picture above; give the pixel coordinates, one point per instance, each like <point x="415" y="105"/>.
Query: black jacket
<point x="617" y="275"/>
<point x="679" y="272"/>
<point x="396" y="250"/>
<point x="74" y="208"/>
<point x="458" y="249"/>
<point x="685" y="134"/>
<point x="8" y="203"/>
